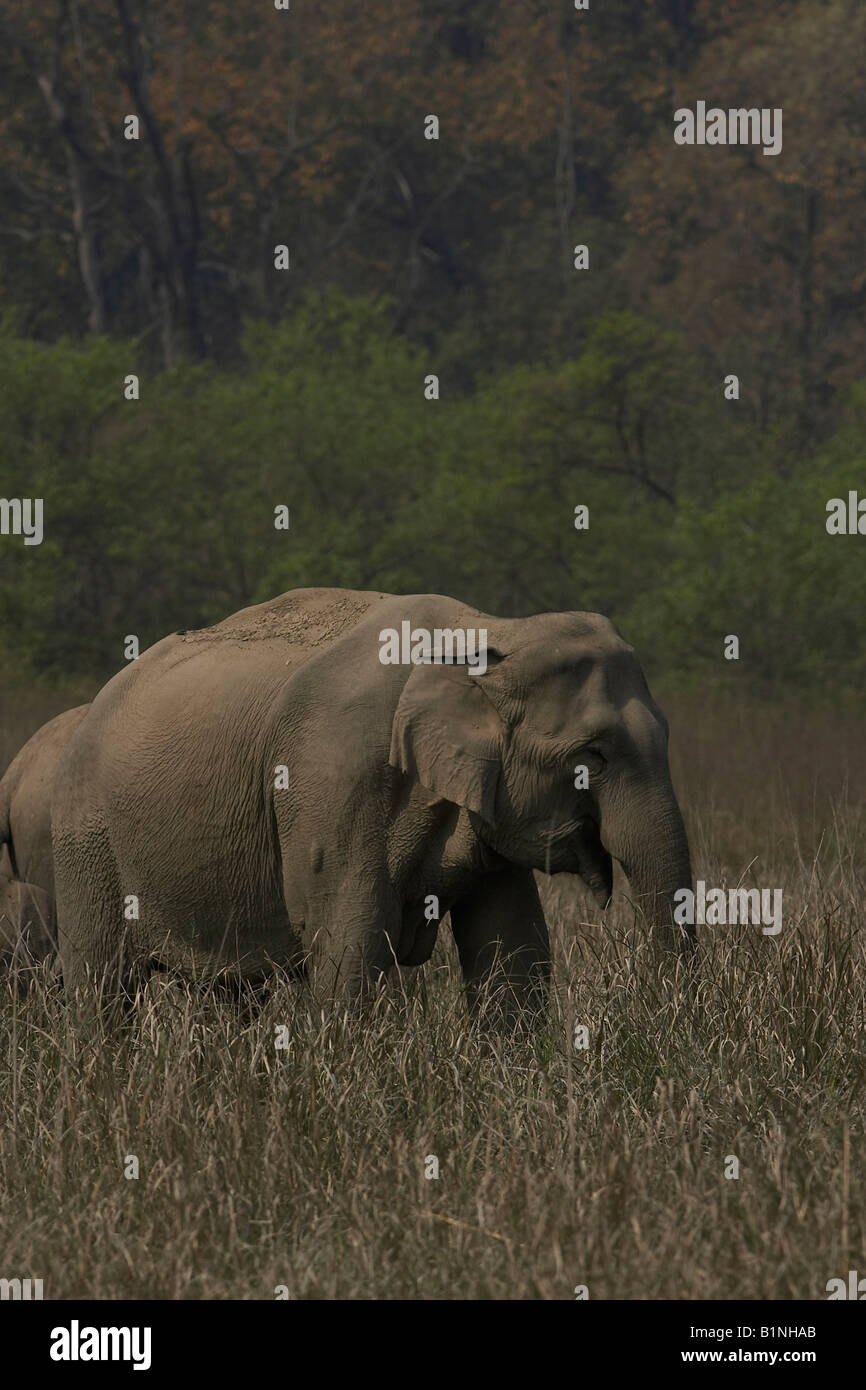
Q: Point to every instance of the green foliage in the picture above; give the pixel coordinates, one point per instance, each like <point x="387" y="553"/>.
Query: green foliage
<point x="159" y="513"/>
<point x="760" y="564"/>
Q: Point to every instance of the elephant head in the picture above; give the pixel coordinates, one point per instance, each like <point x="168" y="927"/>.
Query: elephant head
<point x="559" y="753"/>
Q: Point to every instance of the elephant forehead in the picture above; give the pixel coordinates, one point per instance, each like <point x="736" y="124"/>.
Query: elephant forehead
<point x="566" y="645"/>
<point x="575" y="700"/>
<point x="568" y="628"/>
<point x="599" y="667"/>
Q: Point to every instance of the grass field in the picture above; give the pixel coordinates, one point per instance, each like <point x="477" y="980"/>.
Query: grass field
<point x="558" y="1167"/>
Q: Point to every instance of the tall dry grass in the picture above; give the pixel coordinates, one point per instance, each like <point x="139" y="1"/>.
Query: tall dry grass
<point x="602" y="1167"/>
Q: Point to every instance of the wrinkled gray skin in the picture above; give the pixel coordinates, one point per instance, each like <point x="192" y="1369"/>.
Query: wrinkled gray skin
<point x="27" y="919"/>
<point x="403" y="781"/>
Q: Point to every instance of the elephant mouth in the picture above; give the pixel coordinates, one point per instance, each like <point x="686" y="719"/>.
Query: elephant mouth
<point x="576" y="848"/>
<point x="572" y="848"/>
<point x="592" y="862"/>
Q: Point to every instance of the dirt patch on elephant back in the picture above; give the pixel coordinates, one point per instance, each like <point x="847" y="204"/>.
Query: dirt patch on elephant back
<point x="308" y="617"/>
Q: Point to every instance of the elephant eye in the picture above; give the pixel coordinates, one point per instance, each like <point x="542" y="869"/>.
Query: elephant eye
<point x="592" y="758"/>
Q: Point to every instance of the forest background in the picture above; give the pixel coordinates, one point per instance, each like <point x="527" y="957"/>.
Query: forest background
<point x="409" y="257"/>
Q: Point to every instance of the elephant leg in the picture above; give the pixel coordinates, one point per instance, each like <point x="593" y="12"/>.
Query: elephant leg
<point x="502" y="941"/>
<point x="26" y="926"/>
<point x="350" y="935"/>
<point x="93" y="938"/>
<point x="10" y="919"/>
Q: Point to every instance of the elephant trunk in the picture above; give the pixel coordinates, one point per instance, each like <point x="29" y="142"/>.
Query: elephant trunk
<point x="654" y="852"/>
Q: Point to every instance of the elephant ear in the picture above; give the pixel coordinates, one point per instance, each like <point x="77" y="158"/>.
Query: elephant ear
<point x="448" y="735"/>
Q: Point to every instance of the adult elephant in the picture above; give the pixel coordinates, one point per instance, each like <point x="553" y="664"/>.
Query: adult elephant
<point x="268" y="791"/>
<point x="27" y="919"/>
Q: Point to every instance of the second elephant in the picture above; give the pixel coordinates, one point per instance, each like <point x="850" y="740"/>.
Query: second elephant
<point x="27" y="916"/>
<point x="27" y="925"/>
